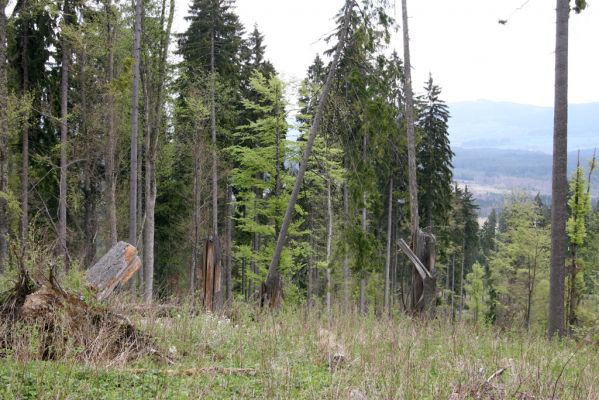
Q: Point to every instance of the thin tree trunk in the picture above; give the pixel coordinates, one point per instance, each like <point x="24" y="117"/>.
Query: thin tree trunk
<point x="64" y="112"/>
<point x="195" y="225"/>
<point x="3" y="138"/>
<point x="150" y="200"/>
<point x="346" y="278"/>
<point x="573" y="303"/>
<point x="25" y="134"/>
<point x="329" y="242"/>
<point x="154" y="127"/>
<point x="273" y="281"/>
<point x="462" y="287"/>
<point x="110" y="156"/>
<point x="453" y="288"/>
<point x="213" y="132"/>
<point x="559" y="190"/>
<point x="388" y="252"/>
<point x="228" y="244"/>
<point x="135" y="125"/>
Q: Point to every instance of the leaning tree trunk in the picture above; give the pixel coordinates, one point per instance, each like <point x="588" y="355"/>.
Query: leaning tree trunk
<point x="3" y="139"/>
<point x="273" y="286"/>
<point x="64" y="113"/>
<point x="559" y="188"/>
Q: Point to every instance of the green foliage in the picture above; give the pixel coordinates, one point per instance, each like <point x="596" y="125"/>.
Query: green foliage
<point x="520" y="265"/>
<point x="476" y="293"/>
<point x="580" y="207"/>
<point x="434" y="157"/>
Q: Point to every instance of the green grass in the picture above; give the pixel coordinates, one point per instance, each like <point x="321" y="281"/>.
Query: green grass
<point x="399" y="359"/>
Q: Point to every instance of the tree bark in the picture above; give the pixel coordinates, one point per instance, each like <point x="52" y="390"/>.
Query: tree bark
<point x="388" y="252"/>
<point x="111" y="148"/>
<point x="25" y="135"/>
<point x="411" y="137"/>
<point x="273" y="282"/>
<point x="3" y="139"/>
<point x="228" y="246"/>
<point x="329" y="242"/>
<point x="135" y="125"/>
<point x="154" y="127"/>
<point x="64" y="113"/>
<point x="213" y="133"/>
<point x="559" y="189"/>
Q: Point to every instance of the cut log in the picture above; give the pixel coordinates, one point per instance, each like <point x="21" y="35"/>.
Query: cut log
<point x="115" y="268"/>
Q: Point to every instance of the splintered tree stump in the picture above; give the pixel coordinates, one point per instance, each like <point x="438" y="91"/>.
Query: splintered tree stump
<point x="424" y="281"/>
<point x="115" y="268"/>
<point x="212" y="276"/>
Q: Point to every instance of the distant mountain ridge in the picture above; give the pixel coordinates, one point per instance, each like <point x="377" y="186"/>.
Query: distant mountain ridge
<point x="503" y="125"/>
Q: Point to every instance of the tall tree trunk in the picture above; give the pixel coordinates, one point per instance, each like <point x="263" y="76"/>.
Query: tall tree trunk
<point x="25" y="134"/>
<point x="154" y="127"/>
<point x="273" y="281"/>
<point x="110" y="156"/>
<point x="197" y="217"/>
<point x="135" y="125"/>
<point x="329" y="242"/>
<point x="3" y="139"/>
<point x="213" y="133"/>
<point x="413" y="184"/>
<point x="89" y="184"/>
<point x="417" y="283"/>
<point x="228" y="246"/>
<point x="64" y="113"/>
<point x="559" y="189"/>
<point x="388" y="252"/>
<point x="150" y="198"/>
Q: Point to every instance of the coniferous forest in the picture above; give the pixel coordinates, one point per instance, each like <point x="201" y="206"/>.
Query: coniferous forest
<point x="178" y="221"/>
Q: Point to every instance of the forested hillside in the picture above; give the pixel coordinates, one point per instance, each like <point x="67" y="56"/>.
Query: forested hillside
<point x="350" y="206"/>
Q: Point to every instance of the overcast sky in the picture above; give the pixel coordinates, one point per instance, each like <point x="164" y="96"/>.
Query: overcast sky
<point x="461" y="42"/>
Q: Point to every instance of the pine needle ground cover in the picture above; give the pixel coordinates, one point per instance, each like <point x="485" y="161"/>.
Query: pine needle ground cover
<point x="256" y="356"/>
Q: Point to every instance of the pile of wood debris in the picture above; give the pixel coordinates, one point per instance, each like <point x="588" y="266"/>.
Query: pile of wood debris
<point x="40" y="320"/>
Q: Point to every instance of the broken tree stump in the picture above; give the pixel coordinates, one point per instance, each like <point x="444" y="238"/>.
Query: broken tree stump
<point x="424" y="281"/>
<point x="115" y="268"/>
<point x="212" y="276"/>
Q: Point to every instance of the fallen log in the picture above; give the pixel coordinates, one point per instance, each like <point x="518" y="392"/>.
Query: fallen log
<point x="198" y="371"/>
<point x="115" y="268"/>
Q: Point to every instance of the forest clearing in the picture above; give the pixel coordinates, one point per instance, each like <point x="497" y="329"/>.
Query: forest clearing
<point x="182" y="218"/>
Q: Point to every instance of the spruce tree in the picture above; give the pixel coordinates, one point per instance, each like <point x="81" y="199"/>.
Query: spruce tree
<point x="434" y="157"/>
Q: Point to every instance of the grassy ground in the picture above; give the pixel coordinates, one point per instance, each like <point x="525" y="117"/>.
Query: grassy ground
<point x="282" y="359"/>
